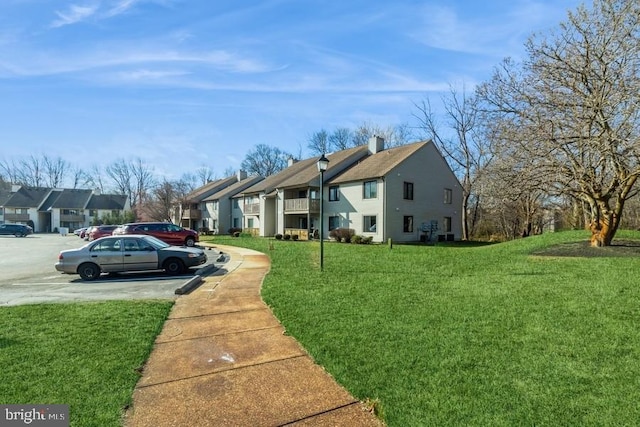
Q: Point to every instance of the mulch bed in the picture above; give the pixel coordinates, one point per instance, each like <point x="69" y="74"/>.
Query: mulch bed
<point x="618" y="248"/>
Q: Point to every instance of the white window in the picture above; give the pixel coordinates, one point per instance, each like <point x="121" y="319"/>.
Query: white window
<point x="370" y="190"/>
<point x="369" y="222"/>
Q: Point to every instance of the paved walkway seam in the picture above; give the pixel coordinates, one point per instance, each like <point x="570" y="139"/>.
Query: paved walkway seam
<point x="312" y="416"/>
<point x="221" y="334"/>
<point x="221" y="370"/>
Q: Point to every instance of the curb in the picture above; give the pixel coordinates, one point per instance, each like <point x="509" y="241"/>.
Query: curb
<point x="192" y="283"/>
<point x="189" y="285"/>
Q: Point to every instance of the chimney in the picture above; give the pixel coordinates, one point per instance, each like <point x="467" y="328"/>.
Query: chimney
<point x="291" y="161"/>
<point x="241" y="175"/>
<point x="376" y="144"/>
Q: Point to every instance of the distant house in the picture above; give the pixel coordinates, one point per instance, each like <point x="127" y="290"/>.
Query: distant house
<point x="48" y="209"/>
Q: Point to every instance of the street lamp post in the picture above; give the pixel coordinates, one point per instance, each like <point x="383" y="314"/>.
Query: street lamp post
<point x="323" y="162"/>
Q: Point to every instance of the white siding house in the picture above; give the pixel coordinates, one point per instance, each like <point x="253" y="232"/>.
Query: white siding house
<point x="394" y="193"/>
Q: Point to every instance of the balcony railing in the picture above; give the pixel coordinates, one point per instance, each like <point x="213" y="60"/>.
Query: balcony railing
<point x="191" y="214"/>
<point x="252" y="208"/>
<point x="301" y="233"/>
<point x="16" y="216"/>
<point x="302" y="205"/>
<point x="72" y="218"/>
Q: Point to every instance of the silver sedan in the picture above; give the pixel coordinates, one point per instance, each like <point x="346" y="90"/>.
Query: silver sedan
<point x="116" y="254"/>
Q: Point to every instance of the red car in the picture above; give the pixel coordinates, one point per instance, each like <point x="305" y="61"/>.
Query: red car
<point x="101" y="231"/>
<point x="165" y="231"/>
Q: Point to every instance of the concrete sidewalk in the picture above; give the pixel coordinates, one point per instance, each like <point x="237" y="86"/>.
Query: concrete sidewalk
<point x="222" y="359"/>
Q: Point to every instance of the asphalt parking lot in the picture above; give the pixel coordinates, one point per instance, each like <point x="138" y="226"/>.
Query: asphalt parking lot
<point x="28" y="275"/>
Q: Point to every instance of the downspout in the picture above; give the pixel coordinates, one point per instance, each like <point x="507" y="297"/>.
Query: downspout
<point x="384" y="209"/>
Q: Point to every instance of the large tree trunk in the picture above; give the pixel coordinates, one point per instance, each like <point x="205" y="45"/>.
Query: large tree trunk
<point x="601" y="234"/>
<point x="604" y="222"/>
<point x="465" y="216"/>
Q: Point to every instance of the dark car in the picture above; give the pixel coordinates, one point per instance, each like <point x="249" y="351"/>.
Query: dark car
<point x="117" y="254"/>
<point x="165" y="231"/>
<point x="18" y="230"/>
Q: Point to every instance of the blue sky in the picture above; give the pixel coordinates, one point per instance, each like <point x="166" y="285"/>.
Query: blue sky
<point x="186" y="83"/>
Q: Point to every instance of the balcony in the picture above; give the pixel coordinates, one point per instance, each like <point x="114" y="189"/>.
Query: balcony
<point x="301" y="205"/>
<point x="16" y="217"/>
<point x="252" y="209"/>
<point x="191" y="214"/>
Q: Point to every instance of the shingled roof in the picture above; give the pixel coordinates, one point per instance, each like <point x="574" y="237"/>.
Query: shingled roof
<point x="46" y="199"/>
<point x="27" y="197"/>
<point x="209" y="188"/>
<point x="304" y="173"/>
<point x="69" y="199"/>
<point x="107" y="202"/>
<point x="272" y="182"/>
<point x="309" y="177"/>
<point x="379" y="164"/>
<point x="234" y="188"/>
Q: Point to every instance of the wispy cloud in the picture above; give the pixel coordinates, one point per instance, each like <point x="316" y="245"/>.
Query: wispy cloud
<point x="449" y="28"/>
<point x="74" y="14"/>
<point x="98" y="10"/>
<point x="120" y="7"/>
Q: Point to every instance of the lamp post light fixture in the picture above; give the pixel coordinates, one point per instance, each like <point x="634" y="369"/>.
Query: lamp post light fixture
<point x="323" y="163"/>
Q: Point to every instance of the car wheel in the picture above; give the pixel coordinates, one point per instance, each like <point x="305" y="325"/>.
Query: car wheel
<point x="89" y="271"/>
<point x="190" y="241"/>
<point x="173" y="266"/>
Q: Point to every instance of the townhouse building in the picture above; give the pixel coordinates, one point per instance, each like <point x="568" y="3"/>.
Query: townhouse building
<point x="48" y="209"/>
<point x="209" y="207"/>
<point x="405" y="193"/>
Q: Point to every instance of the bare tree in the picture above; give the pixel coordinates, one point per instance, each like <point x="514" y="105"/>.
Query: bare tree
<point x="341" y="139"/>
<point x="120" y="173"/>
<point x="204" y="174"/>
<point x="364" y="132"/>
<point x="31" y="172"/>
<point x="265" y="160"/>
<point x="94" y="178"/>
<point x="9" y="171"/>
<point x="394" y="136"/>
<point x="398" y="135"/>
<point x="159" y="207"/>
<point x="55" y="171"/>
<point x="572" y="109"/>
<point x="143" y="181"/>
<point x="466" y="150"/>
<point x="80" y="178"/>
<point x="319" y="143"/>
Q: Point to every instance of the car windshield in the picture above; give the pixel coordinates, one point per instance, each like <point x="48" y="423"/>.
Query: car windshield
<point x="155" y="242"/>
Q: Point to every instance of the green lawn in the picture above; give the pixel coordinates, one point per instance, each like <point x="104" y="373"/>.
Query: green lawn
<point x="87" y="356"/>
<point x="509" y="334"/>
<point x="469" y="335"/>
